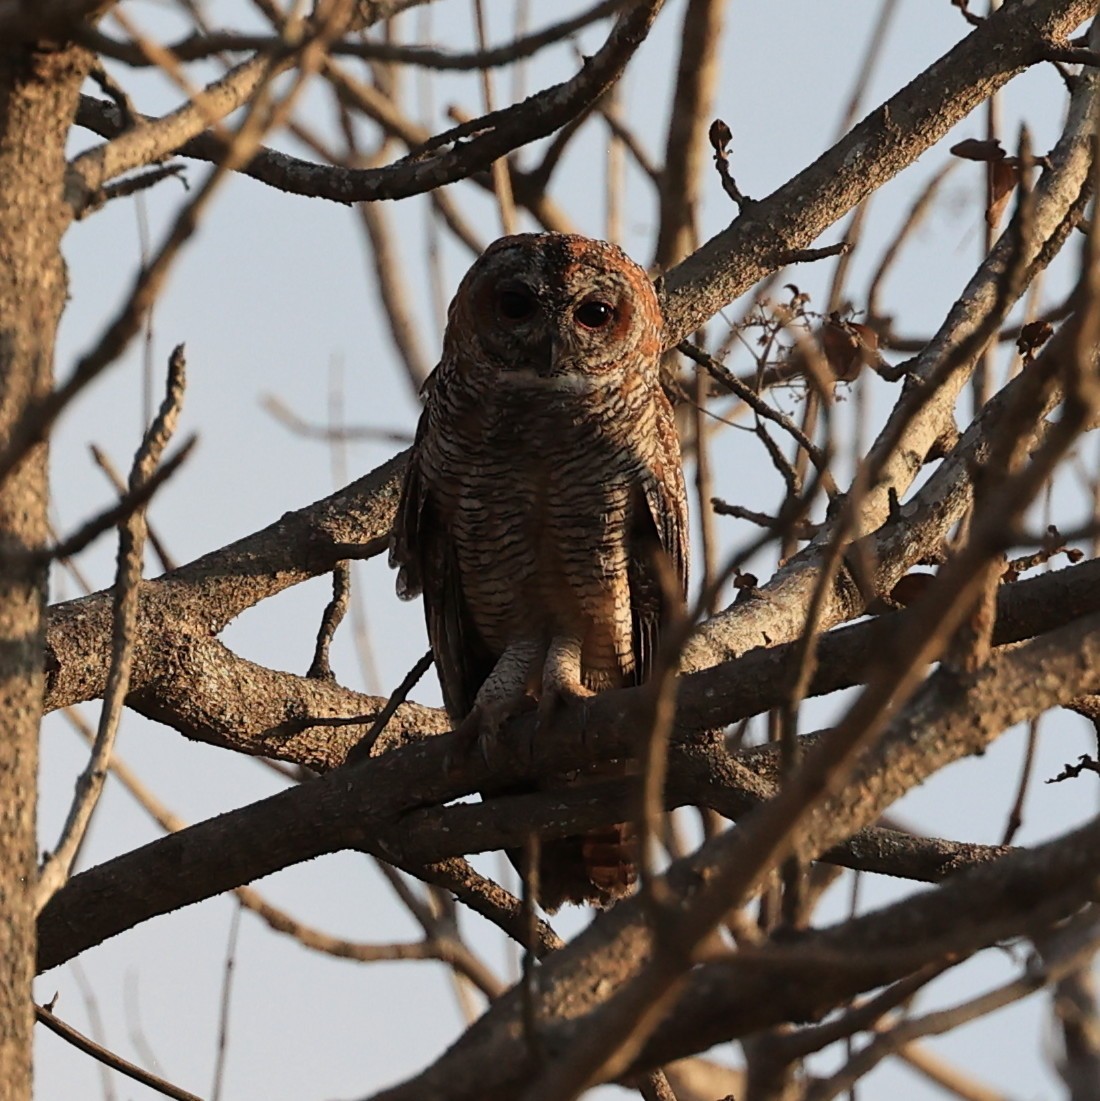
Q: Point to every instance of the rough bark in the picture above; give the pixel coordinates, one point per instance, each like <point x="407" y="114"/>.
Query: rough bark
<point x="38" y="94"/>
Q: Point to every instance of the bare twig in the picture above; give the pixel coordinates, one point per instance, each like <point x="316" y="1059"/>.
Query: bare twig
<point x="917" y="213"/>
<point x="56" y="869"/>
<point x="352" y="433"/>
<point x="946" y="1076"/>
<point x="621" y="132"/>
<point x="488" y="899"/>
<point x="502" y="178"/>
<point x="109" y="1058"/>
<point x="127" y="322"/>
<point x="1016" y="813"/>
<point x="692" y="105"/>
<point x="442" y="937"/>
<point x="132" y="185"/>
<point x="330" y="620"/>
<point x="198" y="46"/>
<point x="223" y="1007"/>
<point x="393" y="291"/>
<point x="103" y="461"/>
<point x="95" y="1020"/>
<point x="725" y="378"/>
<point x="363" y="748"/>
<point x="852" y="233"/>
<point x="720" y="137"/>
<point x="137" y="497"/>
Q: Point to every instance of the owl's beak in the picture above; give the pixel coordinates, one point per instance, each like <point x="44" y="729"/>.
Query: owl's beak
<point x="546" y="356"/>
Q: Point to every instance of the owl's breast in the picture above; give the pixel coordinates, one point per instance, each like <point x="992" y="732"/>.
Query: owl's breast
<point x="536" y="500"/>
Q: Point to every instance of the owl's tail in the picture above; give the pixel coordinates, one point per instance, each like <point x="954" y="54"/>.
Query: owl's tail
<point x="596" y="867"/>
<point x="610" y="858"/>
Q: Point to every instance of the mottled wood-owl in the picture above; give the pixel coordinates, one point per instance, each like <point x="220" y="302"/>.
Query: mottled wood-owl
<point x="544" y="484"/>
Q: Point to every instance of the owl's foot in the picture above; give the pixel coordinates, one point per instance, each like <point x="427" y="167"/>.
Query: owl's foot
<point x="555" y="697"/>
<point x="481" y="729"/>
<point x="495" y="716"/>
<point x="562" y="681"/>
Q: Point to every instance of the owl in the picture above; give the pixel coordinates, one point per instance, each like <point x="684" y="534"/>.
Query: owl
<point x="544" y="486"/>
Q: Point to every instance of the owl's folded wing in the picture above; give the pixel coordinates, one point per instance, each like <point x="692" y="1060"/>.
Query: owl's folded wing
<point x="659" y="534"/>
<point x="425" y="558"/>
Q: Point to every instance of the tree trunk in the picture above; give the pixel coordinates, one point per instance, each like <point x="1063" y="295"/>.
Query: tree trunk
<point x="38" y="92"/>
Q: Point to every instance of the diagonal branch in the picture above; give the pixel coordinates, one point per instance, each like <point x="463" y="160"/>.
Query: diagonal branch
<point x="874" y="151"/>
<point x="109" y="1058"/>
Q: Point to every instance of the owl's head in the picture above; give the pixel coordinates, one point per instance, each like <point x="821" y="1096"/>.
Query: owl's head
<point x="555" y="310"/>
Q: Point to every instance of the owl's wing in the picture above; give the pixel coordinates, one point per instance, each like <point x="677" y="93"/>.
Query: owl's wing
<point x="660" y="528"/>
<point x="424" y="555"/>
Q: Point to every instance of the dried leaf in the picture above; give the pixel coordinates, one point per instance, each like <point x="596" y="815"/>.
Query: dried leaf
<point x="720" y="136"/>
<point x="841" y="350"/>
<point x="911" y="587"/>
<point x="1032" y="337"/>
<point x="848" y="346"/>
<point x="972" y="149"/>
<point x="1002" y="178"/>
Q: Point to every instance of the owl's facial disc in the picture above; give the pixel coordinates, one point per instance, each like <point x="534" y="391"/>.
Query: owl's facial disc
<point x="552" y="310"/>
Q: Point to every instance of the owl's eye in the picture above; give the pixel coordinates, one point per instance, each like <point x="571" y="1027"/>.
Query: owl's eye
<point x="594" y="314"/>
<point x="515" y="304"/>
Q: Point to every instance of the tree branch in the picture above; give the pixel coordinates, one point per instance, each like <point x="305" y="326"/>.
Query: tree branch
<point x="349" y="807"/>
<point x="490" y="137"/>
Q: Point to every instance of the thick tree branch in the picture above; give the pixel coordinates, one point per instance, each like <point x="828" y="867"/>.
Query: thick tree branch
<point x="206" y="594"/>
<point x="350" y="806"/>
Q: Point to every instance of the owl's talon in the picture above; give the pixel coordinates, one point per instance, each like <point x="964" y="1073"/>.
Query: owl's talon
<point x="467" y="735"/>
<point x="496" y="718"/>
<point x="554" y="699"/>
<point x="482" y="729"/>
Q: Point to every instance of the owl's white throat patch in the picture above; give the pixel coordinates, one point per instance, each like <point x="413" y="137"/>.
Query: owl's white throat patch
<point x="571" y="382"/>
